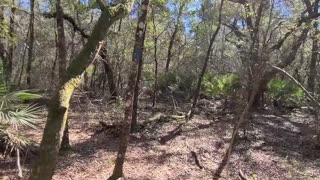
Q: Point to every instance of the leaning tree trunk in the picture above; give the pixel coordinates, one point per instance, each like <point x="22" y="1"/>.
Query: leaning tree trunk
<point x="136" y="57"/>
<point x="173" y="38"/>
<point x="204" y="68"/>
<point x="242" y="120"/>
<point x="52" y="136"/>
<point x="30" y="43"/>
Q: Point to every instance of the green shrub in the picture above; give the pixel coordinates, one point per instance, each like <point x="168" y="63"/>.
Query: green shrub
<point x="182" y="81"/>
<point x="285" y="92"/>
<point x="225" y="84"/>
<point x="167" y="79"/>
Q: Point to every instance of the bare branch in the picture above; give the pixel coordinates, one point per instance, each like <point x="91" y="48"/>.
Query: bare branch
<point x="70" y="20"/>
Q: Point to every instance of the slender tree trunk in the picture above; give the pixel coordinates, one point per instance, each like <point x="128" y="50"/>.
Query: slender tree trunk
<point x="57" y="117"/>
<point x="3" y="57"/>
<point x="242" y="119"/>
<point x="30" y="42"/>
<point x="53" y="69"/>
<point x="173" y="37"/>
<point x="11" y="47"/>
<point x="314" y="56"/>
<point x="155" y="56"/>
<point x="22" y="62"/>
<point x="136" y="57"/>
<point x="204" y="68"/>
<point x="136" y="91"/>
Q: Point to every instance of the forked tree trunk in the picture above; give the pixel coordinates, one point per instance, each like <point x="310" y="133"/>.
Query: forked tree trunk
<point x="136" y="57"/>
<point x="204" y="68"/>
<point x="30" y="43"/>
<point x="54" y="128"/>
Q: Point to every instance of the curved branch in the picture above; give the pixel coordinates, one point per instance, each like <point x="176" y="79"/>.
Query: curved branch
<point x="70" y="20"/>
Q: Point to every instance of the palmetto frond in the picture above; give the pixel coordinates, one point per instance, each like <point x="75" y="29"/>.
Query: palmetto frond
<point x="20" y="117"/>
<point x="12" y="140"/>
<point x="12" y="116"/>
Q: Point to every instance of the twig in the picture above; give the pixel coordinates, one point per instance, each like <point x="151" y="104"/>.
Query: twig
<point x="242" y="175"/>
<point x="194" y="155"/>
<point x="18" y="164"/>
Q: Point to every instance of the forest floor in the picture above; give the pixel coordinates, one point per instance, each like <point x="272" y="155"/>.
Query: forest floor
<point x="278" y="146"/>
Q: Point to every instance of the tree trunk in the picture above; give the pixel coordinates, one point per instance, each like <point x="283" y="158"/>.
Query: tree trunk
<point x="242" y="119"/>
<point x="136" y="57"/>
<point x="155" y="41"/>
<point x="53" y="69"/>
<point x="173" y="37"/>
<point x="30" y="43"/>
<point x="2" y="46"/>
<point x="109" y="72"/>
<point x="52" y="136"/>
<point x="11" y="47"/>
<point x="22" y="62"/>
<point x="204" y="68"/>
<point x="314" y="56"/>
<point x="62" y="60"/>
<point x="136" y="91"/>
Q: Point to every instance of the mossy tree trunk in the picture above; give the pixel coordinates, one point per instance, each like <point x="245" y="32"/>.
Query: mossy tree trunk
<point x="62" y="60"/>
<point x="56" y="121"/>
<point x="136" y="57"/>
